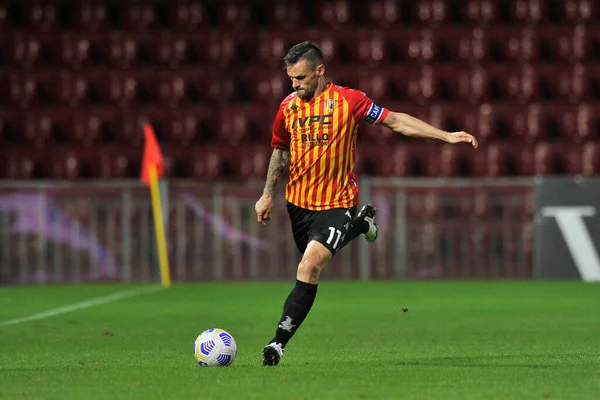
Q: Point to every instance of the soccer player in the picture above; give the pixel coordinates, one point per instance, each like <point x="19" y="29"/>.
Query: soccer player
<point x="314" y="134"/>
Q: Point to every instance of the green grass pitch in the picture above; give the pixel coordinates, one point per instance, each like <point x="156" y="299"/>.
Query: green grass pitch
<point x="459" y="340"/>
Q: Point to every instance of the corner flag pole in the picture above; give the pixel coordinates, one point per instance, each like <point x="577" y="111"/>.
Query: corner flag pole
<point x="152" y="169"/>
<point x="161" y="242"/>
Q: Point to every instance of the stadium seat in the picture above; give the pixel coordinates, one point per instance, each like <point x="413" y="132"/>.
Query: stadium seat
<point x="576" y="123"/>
<point x="132" y="120"/>
<point x="91" y="17"/>
<point x="115" y="162"/>
<point x="29" y="89"/>
<point x="190" y="125"/>
<point x="236" y="15"/>
<point x="590" y="159"/>
<point x="84" y="50"/>
<point x="10" y="126"/>
<point x="383" y="14"/>
<point x="140" y="17"/>
<point x="245" y="124"/>
<point x="529" y="12"/>
<point x="94" y="126"/>
<point x="42" y="17"/>
<point x="175" y="51"/>
<point x="481" y="12"/>
<point x="131" y="49"/>
<point x="536" y="159"/>
<point x="133" y="87"/>
<point x="188" y="16"/>
<point x="221" y="161"/>
<point x="287" y="15"/>
<point x="255" y="161"/>
<point x="24" y="164"/>
<point x="335" y="14"/>
<point x="176" y="161"/>
<point x="5" y="20"/>
<point x="432" y="12"/>
<point x="554" y="44"/>
<point x="46" y="126"/>
<point x="66" y="163"/>
<point x="34" y="50"/>
<point x="490" y="160"/>
<point x="581" y="11"/>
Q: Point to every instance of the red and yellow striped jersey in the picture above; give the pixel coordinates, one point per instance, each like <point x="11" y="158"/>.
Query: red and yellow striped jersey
<point x="321" y="137"/>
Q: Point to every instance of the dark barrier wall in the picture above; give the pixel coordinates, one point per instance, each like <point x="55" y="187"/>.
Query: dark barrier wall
<point x="567" y="228"/>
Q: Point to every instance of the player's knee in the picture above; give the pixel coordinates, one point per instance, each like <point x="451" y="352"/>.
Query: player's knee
<point x="313" y="262"/>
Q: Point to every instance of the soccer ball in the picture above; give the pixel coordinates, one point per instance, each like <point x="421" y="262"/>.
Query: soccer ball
<point x="214" y="348"/>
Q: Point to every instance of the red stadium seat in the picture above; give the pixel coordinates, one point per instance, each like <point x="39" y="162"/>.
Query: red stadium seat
<point x="432" y="12"/>
<point x="28" y="89"/>
<point x="287" y="15"/>
<point x="555" y="82"/>
<point x="228" y="48"/>
<point x="191" y="125"/>
<point x="529" y="12"/>
<point x="236" y="15"/>
<point x="33" y="50"/>
<point x="24" y="164"/>
<point x="66" y="163"/>
<point x="46" y="127"/>
<point x="537" y="159"/>
<point x="577" y="123"/>
<point x="189" y="16"/>
<point x="245" y="124"/>
<point x="42" y="17"/>
<point x="383" y="13"/>
<point x="86" y="50"/>
<point x="115" y="162"/>
<point x="133" y="87"/>
<point x="528" y="123"/>
<point x="5" y="20"/>
<point x="481" y="12"/>
<point x="92" y="17"/>
<point x="591" y="158"/>
<point x="335" y="14"/>
<point x="129" y="49"/>
<point x="562" y="44"/>
<point x="255" y="161"/>
<point x="490" y="160"/>
<point x="176" y="161"/>
<point x="192" y="86"/>
<point x="176" y="51"/>
<point x="581" y="11"/>
<point x="10" y="126"/>
<point x="131" y="133"/>
<point x="221" y="162"/>
<point x="140" y="17"/>
<point x="94" y="126"/>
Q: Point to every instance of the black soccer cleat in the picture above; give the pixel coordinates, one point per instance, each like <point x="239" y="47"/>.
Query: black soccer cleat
<point x="367" y="213"/>
<point x="272" y="354"/>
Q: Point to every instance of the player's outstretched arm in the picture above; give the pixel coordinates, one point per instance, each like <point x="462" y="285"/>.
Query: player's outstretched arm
<point x="411" y="126"/>
<point x="279" y="162"/>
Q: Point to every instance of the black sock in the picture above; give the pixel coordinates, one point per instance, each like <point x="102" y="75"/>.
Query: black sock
<point x="295" y="310"/>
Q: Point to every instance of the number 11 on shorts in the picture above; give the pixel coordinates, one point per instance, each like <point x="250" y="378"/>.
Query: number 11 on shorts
<point x="332" y="232"/>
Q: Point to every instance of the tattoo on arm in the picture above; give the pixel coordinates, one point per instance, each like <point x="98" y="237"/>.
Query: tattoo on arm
<point x="277" y="166"/>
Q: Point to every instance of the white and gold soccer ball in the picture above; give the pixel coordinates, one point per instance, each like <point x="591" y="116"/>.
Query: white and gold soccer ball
<point x="215" y="348"/>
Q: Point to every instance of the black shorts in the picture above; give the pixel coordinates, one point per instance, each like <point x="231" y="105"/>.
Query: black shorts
<point x="328" y="227"/>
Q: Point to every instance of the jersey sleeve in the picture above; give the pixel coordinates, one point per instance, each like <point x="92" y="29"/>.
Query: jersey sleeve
<point x="280" y="136"/>
<point x="366" y="109"/>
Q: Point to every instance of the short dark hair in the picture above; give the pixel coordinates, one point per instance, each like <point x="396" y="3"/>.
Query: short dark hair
<point x="304" y="51"/>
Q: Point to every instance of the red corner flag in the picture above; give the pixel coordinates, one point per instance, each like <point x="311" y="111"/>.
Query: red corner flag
<point x="152" y="155"/>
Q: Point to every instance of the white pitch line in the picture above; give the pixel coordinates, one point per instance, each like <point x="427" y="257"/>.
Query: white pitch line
<point x="84" y="304"/>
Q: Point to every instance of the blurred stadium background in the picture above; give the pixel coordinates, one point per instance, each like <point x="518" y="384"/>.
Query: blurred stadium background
<point x="77" y="79"/>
